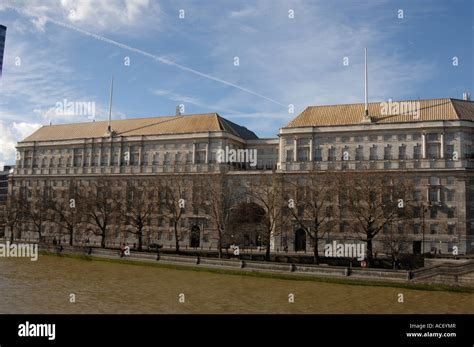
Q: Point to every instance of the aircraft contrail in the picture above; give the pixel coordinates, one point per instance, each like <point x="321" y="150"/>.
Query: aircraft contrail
<point x="147" y="54"/>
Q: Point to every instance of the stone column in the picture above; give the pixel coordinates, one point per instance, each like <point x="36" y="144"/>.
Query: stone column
<point x="423" y="146"/>
<point x="140" y="153"/>
<point x="100" y="154"/>
<point x="280" y="150"/>
<point x="91" y="154"/>
<point x="311" y="149"/>
<point x="295" y="150"/>
<point x="441" y="153"/>
<point x="109" y="159"/>
<point x="194" y="153"/>
<point x="83" y="157"/>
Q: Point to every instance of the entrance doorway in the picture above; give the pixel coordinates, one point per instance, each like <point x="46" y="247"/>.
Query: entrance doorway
<point x="195" y="240"/>
<point x="300" y="240"/>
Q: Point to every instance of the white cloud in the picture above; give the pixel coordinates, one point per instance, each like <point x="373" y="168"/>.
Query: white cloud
<point x="99" y="15"/>
<point x="10" y="136"/>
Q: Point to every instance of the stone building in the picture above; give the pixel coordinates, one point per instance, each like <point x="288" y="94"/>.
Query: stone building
<point x="430" y="141"/>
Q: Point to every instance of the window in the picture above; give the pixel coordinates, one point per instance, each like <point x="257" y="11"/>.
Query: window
<point x="345" y="153"/>
<point x="417" y="152"/>
<point x="331" y="154"/>
<point x="450" y="195"/>
<point x="189" y="158"/>
<point x="432" y="150"/>
<point x="303" y="154"/>
<point x="433" y="229"/>
<point x="359" y="153"/>
<point x="416" y="137"/>
<point x="434" y="181"/>
<point x="450" y="213"/>
<point x="166" y="159"/>
<point x="289" y="155"/>
<point x="303" y="142"/>
<point x="343" y="227"/>
<point x="433" y="194"/>
<point x="417" y="195"/>
<point x="433" y="213"/>
<point x="386" y="229"/>
<point x="373" y="138"/>
<point x="416" y="212"/>
<point x="402" y="152"/>
<point x="432" y="137"/>
<point x="449" y="154"/>
<point x="200" y="157"/>
<point x="401" y="228"/>
<point x="373" y="153"/>
<point x="451" y="229"/>
<point x="402" y="137"/>
<point x="387" y="153"/>
<point x="318" y="154"/>
<point x="450" y="180"/>
<point x="416" y="228"/>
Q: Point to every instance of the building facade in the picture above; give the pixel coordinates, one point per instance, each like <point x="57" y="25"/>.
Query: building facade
<point x="431" y="142"/>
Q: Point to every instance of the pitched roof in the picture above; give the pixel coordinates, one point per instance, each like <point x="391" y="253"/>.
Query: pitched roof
<point x="353" y="114"/>
<point x="195" y="123"/>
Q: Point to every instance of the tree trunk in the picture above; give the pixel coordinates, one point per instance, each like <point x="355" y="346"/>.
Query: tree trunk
<point x="102" y="239"/>
<point x="140" y="240"/>
<point x="176" y="237"/>
<point x="267" y="249"/>
<point x="370" y="258"/>
<point x="315" y="251"/>
<point x="219" y="242"/>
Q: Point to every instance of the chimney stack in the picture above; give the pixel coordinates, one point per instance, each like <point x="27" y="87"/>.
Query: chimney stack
<point x="178" y="110"/>
<point x="466" y="96"/>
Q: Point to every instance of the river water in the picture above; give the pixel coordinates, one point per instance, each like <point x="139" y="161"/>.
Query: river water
<point x="45" y="286"/>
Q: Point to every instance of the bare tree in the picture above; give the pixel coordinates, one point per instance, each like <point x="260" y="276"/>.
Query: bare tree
<point x="373" y="200"/>
<point x="14" y="213"/>
<point x="310" y="206"/>
<point x="101" y="206"/>
<point x="66" y="213"/>
<point x="137" y="209"/>
<point x="175" y="191"/>
<point x="267" y="191"/>
<point x="395" y="241"/>
<point x="37" y="211"/>
<point x="218" y="203"/>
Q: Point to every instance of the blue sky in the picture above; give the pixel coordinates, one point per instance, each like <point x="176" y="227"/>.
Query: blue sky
<point x="69" y="49"/>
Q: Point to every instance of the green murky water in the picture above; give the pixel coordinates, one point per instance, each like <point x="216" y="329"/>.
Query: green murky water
<point x="45" y="286"/>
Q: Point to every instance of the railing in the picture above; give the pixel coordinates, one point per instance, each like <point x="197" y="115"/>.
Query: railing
<point x="444" y="269"/>
<point x="379" y="164"/>
<point x="288" y="166"/>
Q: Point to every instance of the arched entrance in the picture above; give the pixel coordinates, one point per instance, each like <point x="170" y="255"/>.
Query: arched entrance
<point x="195" y="239"/>
<point x="245" y="226"/>
<point x="300" y="240"/>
